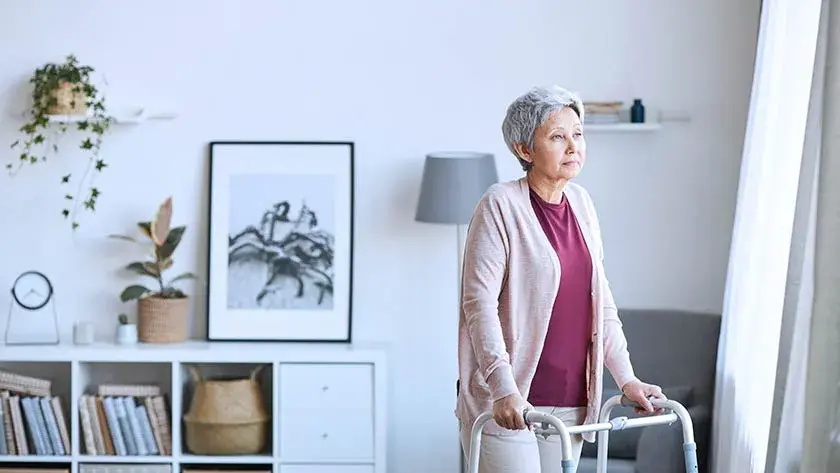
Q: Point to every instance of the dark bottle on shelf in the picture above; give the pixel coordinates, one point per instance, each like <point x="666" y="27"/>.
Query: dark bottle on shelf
<point x="637" y="112"/>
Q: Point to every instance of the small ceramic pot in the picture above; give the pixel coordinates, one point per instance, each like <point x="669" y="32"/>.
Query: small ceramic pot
<point x="126" y="334"/>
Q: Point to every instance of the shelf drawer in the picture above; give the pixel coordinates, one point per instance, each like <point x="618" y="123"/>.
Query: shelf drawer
<point x="325" y="386"/>
<point x="327" y="435"/>
<point x="337" y="468"/>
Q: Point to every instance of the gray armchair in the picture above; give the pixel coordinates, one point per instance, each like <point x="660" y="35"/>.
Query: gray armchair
<point x="678" y="351"/>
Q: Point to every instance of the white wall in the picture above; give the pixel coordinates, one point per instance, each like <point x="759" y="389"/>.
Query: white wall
<point x="400" y="79"/>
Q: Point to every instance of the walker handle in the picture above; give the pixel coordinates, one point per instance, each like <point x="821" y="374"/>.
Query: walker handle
<point x="627" y="402"/>
<point x="532" y="416"/>
<point x="525" y="415"/>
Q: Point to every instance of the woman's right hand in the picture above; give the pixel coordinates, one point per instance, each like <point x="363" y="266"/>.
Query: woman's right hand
<point x="508" y="412"/>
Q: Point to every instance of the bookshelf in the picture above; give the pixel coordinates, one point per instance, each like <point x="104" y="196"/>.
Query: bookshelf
<point x="326" y="403"/>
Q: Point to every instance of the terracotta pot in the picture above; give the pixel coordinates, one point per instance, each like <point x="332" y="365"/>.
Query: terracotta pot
<point x="161" y="320"/>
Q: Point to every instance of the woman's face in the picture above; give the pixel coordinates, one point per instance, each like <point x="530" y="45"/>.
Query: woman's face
<point x="559" y="147"/>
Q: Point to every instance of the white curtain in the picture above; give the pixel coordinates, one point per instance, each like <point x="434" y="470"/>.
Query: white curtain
<point x="762" y="234"/>
<point x="821" y="449"/>
<point x="787" y="422"/>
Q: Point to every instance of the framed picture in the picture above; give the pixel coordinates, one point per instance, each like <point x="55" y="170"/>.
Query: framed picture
<point x="281" y="241"/>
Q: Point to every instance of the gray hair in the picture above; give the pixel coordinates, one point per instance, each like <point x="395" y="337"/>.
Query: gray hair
<point x="531" y="110"/>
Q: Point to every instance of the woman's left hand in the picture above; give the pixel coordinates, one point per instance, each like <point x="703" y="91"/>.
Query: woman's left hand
<point x="641" y="392"/>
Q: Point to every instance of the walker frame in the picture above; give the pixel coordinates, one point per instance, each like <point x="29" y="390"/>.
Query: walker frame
<point x="551" y="425"/>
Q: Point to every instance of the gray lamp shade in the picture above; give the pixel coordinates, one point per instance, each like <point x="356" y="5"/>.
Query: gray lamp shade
<point x="453" y="183"/>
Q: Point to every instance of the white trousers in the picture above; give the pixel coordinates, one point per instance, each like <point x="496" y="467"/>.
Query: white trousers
<point x="522" y="451"/>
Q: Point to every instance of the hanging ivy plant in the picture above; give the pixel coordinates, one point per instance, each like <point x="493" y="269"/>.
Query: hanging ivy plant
<point x="63" y="95"/>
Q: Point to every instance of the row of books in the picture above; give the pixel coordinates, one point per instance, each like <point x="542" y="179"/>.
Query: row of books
<point x="125" y="425"/>
<point x="32" y="425"/>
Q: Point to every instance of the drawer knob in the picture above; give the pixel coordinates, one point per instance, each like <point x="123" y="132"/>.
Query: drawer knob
<point x="324" y="435"/>
<point x="324" y="387"/>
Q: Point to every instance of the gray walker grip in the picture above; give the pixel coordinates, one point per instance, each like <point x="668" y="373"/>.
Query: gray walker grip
<point x="546" y="424"/>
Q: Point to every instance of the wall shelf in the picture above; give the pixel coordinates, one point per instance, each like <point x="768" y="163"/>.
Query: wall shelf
<point x="621" y="127"/>
<point x="131" y="116"/>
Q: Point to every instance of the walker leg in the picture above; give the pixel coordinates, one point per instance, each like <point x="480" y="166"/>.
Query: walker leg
<point x="568" y="466"/>
<point x="475" y="441"/>
<point x="690" y="451"/>
<point x="603" y="441"/>
<point x="689" y="445"/>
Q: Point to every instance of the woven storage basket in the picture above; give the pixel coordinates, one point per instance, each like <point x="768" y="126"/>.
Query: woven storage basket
<point x="162" y="320"/>
<point x="226" y="416"/>
<point x="69" y="101"/>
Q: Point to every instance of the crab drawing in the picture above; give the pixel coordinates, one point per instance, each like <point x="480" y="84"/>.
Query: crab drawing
<point x="289" y="248"/>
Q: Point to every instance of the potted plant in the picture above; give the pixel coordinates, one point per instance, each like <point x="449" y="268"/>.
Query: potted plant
<point x="162" y="311"/>
<point x="64" y="95"/>
<point x="126" y="332"/>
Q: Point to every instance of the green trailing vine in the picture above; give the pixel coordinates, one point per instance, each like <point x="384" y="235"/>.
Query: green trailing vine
<point x="56" y="96"/>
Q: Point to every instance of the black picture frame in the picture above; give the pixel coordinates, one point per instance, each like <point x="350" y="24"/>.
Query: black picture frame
<point x="307" y="274"/>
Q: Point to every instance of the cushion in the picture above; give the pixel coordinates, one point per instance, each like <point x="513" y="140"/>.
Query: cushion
<point x="623" y="443"/>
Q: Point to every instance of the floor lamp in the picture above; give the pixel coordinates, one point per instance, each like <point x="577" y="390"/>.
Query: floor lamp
<point x="453" y="183"/>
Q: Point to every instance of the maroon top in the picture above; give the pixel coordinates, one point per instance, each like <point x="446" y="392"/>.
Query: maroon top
<point x="560" y="379"/>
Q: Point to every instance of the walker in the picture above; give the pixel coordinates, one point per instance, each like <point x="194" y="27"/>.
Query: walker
<point x="551" y="425"/>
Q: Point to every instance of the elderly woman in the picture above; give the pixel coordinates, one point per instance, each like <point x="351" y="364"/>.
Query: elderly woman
<point x="538" y="321"/>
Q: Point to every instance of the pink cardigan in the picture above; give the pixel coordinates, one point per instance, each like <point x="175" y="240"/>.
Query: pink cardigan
<point x="510" y="277"/>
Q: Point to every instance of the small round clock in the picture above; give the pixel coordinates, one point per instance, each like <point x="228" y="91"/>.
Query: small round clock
<point x="32" y="290"/>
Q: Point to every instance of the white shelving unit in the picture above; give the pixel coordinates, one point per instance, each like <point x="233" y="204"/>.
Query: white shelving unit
<point x="327" y="402"/>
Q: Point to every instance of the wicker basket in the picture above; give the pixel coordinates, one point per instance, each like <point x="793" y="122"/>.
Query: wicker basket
<point x="226" y="416"/>
<point x="69" y="101"/>
<point x="162" y="320"/>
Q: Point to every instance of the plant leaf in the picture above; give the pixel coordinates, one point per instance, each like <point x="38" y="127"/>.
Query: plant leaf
<point x="168" y="248"/>
<point x="123" y="237"/>
<point x="146" y="228"/>
<point x="143" y="268"/>
<point x="165" y="264"/>
<point x="162" y="222"/>
<point x="182" y="277"/>
<point x="172" y="293"/>
<point x="152" y="268"/>
<point x="134" y="292"/>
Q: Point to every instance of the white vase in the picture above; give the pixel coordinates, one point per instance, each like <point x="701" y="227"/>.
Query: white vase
<point x="126" y="334"/>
